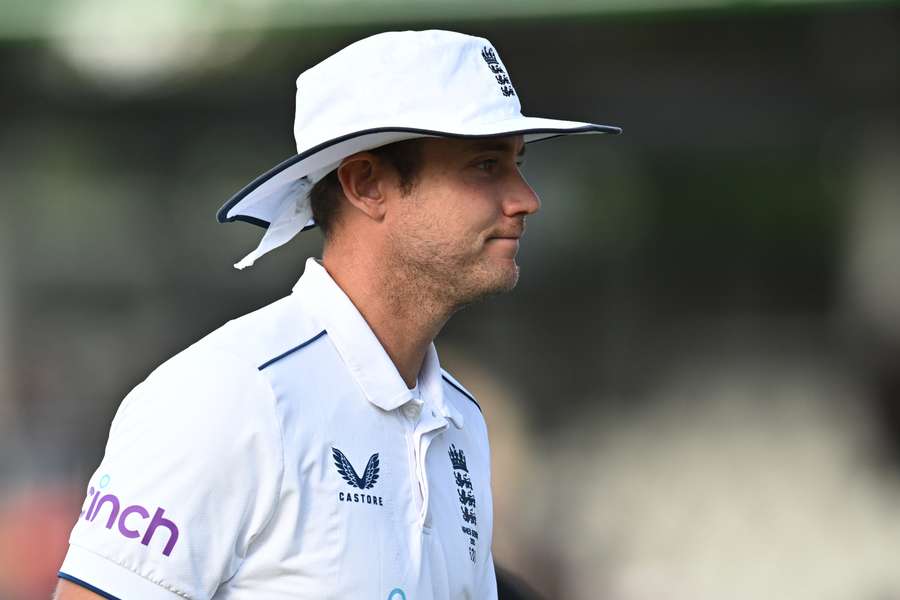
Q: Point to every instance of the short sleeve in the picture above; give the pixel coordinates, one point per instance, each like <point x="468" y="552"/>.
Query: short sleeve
<point x="190" y="476"/>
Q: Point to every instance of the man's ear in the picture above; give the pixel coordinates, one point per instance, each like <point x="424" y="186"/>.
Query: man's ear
<point x="362" y="180"/>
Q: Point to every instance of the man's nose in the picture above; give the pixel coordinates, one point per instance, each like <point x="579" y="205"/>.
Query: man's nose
<point x="521" y="199"/>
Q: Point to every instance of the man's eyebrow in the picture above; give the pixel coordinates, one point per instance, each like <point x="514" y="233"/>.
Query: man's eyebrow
<point x="497" y="146"/>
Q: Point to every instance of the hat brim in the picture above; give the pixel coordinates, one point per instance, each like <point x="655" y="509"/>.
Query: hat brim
<point x="261" y="198"/>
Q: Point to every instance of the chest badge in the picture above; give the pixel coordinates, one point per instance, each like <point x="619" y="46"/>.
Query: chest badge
<point x="466" y="498"/>
<point x="366" y="482"/>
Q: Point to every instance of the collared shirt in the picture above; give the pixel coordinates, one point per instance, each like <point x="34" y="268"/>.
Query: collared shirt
<point x="283" y="456"/>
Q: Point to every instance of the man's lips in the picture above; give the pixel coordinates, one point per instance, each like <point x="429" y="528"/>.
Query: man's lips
<point x="509" y="232"/>
<point x="507" y="235"/>
<point x="508" y="244"/>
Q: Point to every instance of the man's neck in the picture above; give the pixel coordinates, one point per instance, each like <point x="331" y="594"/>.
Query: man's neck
<point x="402" y="315"/>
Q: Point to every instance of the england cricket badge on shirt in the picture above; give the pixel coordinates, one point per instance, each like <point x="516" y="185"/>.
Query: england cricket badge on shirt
<point x="466" y="495"/>
<point x="366" y="482"/>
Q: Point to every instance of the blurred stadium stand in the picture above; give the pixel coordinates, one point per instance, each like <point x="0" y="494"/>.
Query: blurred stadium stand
<point x="693" y="393"/>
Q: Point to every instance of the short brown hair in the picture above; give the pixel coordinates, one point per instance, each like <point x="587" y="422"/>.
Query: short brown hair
<point x="404" y="156"/>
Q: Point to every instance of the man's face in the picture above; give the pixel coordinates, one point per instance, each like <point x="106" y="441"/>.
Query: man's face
<point x="458" y="230"/>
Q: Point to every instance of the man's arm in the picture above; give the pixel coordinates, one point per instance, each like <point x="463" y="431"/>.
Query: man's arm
<point x="66" y="590"/>
<point x="190" y="475"/>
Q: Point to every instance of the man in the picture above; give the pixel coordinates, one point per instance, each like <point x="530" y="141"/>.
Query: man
<point x="315" y="448"/>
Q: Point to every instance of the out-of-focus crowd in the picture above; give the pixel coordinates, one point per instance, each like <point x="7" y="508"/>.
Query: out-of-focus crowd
<point x="693" y="393"/>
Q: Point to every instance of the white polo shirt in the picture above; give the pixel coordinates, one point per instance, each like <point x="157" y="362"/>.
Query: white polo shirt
<point x="283" y="457"/>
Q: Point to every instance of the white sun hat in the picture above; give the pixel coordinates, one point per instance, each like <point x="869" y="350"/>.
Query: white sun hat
<point x="382" y="89"/>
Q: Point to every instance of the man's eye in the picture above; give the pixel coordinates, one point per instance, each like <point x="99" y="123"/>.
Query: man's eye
<point x="487" y="165"/>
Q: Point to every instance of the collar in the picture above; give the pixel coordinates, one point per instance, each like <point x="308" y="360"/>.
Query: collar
<point x="361" y="351"/>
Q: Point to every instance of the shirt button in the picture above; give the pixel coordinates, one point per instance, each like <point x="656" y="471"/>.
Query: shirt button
<point x="411" y="410"/>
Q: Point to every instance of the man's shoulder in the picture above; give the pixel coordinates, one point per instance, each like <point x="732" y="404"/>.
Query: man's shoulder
<point x="459" y="390"/>
<point x="463" y="399"/>
<point x="257" y="338"/>
<point x="228" y="360"/>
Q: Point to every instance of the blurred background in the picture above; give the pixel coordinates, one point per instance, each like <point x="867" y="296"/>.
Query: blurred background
<point x="694" y="393"/>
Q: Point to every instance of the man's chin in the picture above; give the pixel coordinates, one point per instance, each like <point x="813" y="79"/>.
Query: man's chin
<point x="509" y="279"/>
<point x="502" y="277"/>
<point x="489" y="278"/>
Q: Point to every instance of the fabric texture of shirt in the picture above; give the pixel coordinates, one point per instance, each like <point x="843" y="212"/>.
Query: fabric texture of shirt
<point x="282" y="456"/>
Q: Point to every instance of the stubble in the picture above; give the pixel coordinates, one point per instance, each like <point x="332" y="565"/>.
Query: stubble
<point x="445" y="276"/>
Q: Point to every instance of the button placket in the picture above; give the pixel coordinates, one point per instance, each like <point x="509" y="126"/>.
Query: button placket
<point x="412" y="410"/>
<point x="425" y="434"/>
<point x="415" y="488"/>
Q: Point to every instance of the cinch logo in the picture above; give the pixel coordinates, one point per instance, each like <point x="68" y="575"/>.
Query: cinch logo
<point x="128" y="516"/>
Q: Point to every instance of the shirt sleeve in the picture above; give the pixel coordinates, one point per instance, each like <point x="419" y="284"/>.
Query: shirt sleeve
<point x="190" y="476"/>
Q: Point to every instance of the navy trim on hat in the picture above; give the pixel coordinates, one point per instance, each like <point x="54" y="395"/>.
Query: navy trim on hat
<point x="255" y="221"/>
<point x="222" y="214"/>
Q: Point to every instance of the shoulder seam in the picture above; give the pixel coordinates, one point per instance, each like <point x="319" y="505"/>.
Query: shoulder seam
<point x="277" y="424"/>
<point x="291" y="351"/>
<point x="283" y="470"/>
<point x="449" y="379"/>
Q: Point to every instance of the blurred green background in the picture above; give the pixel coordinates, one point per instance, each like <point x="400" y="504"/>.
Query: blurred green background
<point x="694" y="393"/>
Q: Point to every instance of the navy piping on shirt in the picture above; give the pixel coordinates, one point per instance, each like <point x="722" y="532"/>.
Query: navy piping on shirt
<point x="86" y="586"/>
<point x="292" y="350"/>
<point x="463" y="392"/>
<point x="323" y="332"/>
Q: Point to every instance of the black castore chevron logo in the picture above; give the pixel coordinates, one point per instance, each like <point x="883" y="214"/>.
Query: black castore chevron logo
<point x="346" y="470"/>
